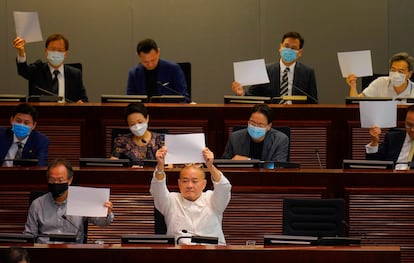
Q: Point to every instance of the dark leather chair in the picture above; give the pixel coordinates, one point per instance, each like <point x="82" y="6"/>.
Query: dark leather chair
<point x="186" y="68"/>
<point x="160" y="228"/>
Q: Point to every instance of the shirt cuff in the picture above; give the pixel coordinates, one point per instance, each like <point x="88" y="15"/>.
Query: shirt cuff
<point x="371" y="149"/>
<point x="21" y="59"/>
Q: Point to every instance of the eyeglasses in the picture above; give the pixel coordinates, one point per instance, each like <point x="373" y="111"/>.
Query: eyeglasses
<point x="409" y="125"/>
<point x="260" y="125"/>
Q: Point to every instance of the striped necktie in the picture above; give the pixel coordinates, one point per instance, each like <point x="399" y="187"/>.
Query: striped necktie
<point x="284" y="85"/>
<point x="19" y="151"/>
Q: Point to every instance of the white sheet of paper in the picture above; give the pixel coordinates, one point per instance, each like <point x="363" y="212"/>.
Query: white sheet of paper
<point x="184" y="148"/>
<point x="380" y="113"/>
<point x="87" y="201"/>
<point x="27" y="26"/>
<point x="250" y="72"/>
<point x="355" y="62"/>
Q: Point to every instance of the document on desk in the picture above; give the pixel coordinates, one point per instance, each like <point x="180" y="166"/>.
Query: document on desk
<point x="355" y="62"/>
<point x="184" y="148"/>
<point x="380" y="113"/>
<point x="27" y="26"/>
<point x="87" y="201"/>
<point x="250" y="72"/>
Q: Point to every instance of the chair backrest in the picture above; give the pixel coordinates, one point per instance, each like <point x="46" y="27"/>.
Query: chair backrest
<point x="33" y="195"/>
<point x="160" y="228"/>
<point x="284" y="129"/>
<point x="314" y="217"/>
<point x="186" y="68"/>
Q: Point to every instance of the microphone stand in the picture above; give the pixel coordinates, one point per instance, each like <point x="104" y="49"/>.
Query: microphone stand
<point x="167" y="86"/>
<point x="304" y="93"/>
<point x="50" y="93"/>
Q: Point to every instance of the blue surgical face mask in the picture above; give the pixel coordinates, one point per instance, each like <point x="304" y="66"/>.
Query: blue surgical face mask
<point x="21" y="130"/>
<point x="256" y="132"/>
<point x="288" y="54"/>
<point x="55" y="57"/>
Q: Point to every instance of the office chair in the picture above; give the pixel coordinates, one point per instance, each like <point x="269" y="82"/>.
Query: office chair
<point x="33" y="195"/>
<point x="186" y="68"/>
<point x="160" y="228"/>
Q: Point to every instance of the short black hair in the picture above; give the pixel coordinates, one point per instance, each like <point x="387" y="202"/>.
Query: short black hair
<point x="403" y="56"/>
<point x="295" y="35"/>
<point x="135" y="107"/>
<point x="54" y="37"/>
<point x="146" y="46"/>
<point x="26" y="109"/>
<point x="63" y="162"/>
<point x="15" y="255"/>
<point x="263" y="109"/>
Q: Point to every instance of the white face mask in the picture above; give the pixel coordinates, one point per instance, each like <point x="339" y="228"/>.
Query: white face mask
<point x="55" y="57"/>
<point x="139" y="129"/>
<point x="397" y="78"/>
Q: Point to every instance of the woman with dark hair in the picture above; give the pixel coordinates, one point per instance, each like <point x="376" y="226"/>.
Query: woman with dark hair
<point x="140" y="144"/>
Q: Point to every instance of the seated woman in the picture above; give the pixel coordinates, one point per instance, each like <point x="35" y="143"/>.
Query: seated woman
<point x="140" y="144"/>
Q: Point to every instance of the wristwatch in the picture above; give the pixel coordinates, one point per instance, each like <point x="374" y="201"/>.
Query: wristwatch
<point x="159" y="172"/>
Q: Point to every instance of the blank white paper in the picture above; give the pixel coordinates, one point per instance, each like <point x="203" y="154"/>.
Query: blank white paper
<point x="355" y="62"/>
<point x="184" y="148"/>
<point x="27" y="26"/>
<point x="380" y="113"/>
<point x="87" y="201"/>
<point x="250" y="72"/>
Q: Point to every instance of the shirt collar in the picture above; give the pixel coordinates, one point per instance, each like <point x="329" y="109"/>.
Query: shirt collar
<point x="15" y="140"/>
<point x="199" y="202"/>
<point x="61" y="69"/>
<point x="283" y="66"/>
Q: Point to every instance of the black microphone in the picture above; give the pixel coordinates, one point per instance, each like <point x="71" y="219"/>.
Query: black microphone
<point x="167" y="86"/>
<point x="199" y="239"/>
<point x="319" y="158"/>
<point x="304" y="93"/>
<point x="70" y="222"/>
<point x="50" y="93"/>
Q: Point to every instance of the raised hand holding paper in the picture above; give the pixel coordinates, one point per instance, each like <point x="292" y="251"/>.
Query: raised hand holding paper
<point x="27" y="26"/>
<point x="184" y="148"/>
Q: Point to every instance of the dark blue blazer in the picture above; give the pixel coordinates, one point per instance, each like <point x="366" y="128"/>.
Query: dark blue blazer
<point x="39" y="75"/>
<point x="390" y="149"/>
<point x="36" y="146"/>
<point x="167" y="72"/>
<point x="304" y="80"/>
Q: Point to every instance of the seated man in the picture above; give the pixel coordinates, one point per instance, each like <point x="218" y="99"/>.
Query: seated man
<point x="398" y="144"/>
<point x="396" y="85"/>
<point x="53" y="77"/>
<point x="22" y="141"/>
<point x="47" y="214"/>
<point x="259" y="140"/>
<point x="287" y="76"/>
<point x="155" y="76"/>
<point x="192" y="210"/>
<point x="16" y="255"/>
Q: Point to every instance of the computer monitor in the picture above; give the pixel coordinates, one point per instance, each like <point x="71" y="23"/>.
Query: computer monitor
<point x="44" y="98"/>
<point x="107" y="98"/>
<point x="367" y="164"/>
<point x="278" y="165"/>
<point x="167" y="99"/>
<point x="26" y="162"/>
<point x="148" y="239"/>
<point x="223" y="163"/>
<point x="314" y="217"/>
<point x="355" y="100"/>
<point x="246" y="99"/>
<point x="12" y="98"/>
<point x="16" y="238"/>
<point x="64" y="238"/>
<point x="103" y="162"/>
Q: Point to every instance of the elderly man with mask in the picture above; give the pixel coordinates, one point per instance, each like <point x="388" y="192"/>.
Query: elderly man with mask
<point x="259" y="140"/>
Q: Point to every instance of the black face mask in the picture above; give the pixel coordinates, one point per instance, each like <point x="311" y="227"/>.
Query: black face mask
<point x="57" y="190"/>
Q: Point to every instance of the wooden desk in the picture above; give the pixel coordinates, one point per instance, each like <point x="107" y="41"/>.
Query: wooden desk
<point x="84" y="130"/>
<point x="201" y="254"/>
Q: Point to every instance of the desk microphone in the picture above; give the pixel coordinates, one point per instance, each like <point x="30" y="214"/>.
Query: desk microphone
<point x="50" y="93"/>
<point x="70" y="222"/>
<point x="200" y="239"/>
<point x="167" y="86"/>
<point x="304" y="93"/>
<point x="319" y="158"/>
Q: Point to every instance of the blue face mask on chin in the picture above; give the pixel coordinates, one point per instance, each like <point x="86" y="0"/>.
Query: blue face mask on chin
<point x="288" y="54"/>
<point x="256" y="132"/>
<point x="20" y="130"/>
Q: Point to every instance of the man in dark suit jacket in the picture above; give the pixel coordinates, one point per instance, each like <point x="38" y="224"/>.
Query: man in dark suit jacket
<point x="41" y="75"/>
<point x="34" y="144"/>
<point x="302" y="79"/>
<point x="155" y="76"/>
<point x="397" y="143"/>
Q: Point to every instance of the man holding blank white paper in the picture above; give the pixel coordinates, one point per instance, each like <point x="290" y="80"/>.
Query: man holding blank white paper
<point x="192" y="211"/>
<point x="396" y="85"/>
<point x="287" y="76"/>
<point x="398" y="145"/>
